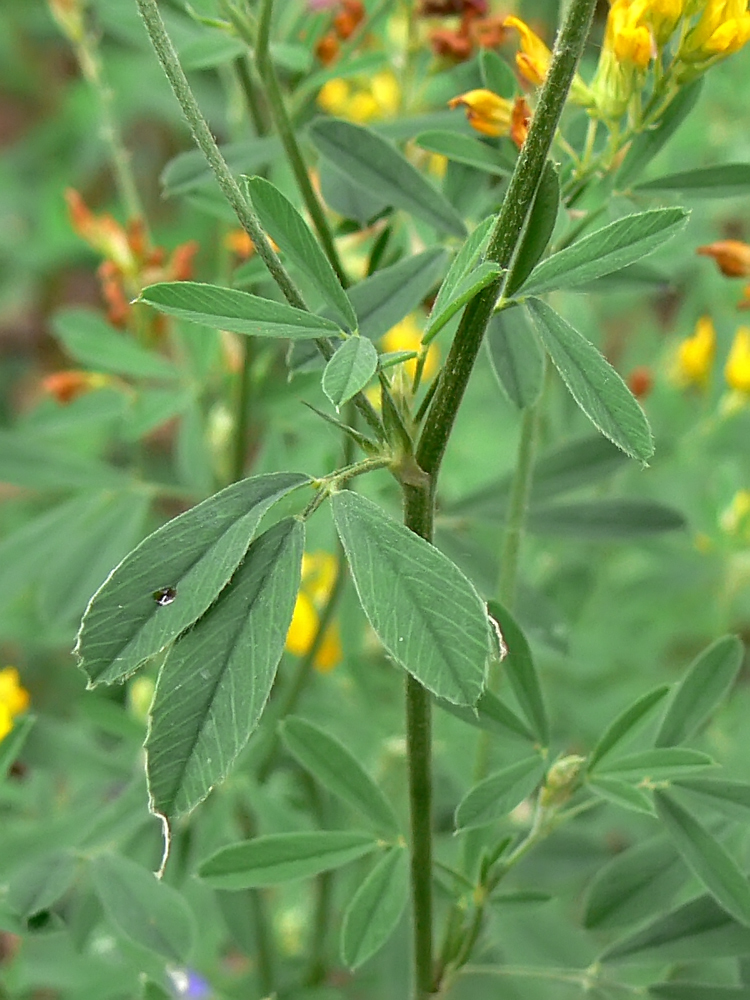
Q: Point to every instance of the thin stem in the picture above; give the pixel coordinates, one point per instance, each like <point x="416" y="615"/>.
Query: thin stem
<point x="506" y="234"/>
<point x="249" y="221"/>
<point x="250" y="94"/>
<point x="289" y="139"/>
<point x="242" y="412"/>
<point x="263" y="945"/>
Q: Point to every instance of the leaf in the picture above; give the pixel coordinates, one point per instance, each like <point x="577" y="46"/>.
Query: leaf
<point x="90" y="340"/>
<point x="465" y="261"/>
<point x="349" y="370"/>
<point x="375" y="911"/>
<point x="615" y="246"/>
<point x="335" y="767"/>
<point x="625" y="724"/>
<point x="12" y="744"/>
<point x="634" y="884"/>
<point x="383" y="299"/>
<point x="647" y="144"/>
<point x="283" y="857"/>
<point x="347" y="198"/>
<point x="497" y="75"/>
<point x="605" y="519"/>
<point x="193" y="556"/>
<point x="189" y="170"/>
<point x="515" y="356"/>
<point x="465" y="149"/>
<point x="701" y="690"/>
<point x="621" y="794"/>
<point x="473" y="283"/>
<point x="593" y="383"/>
<point x="491" y="715"/>
<point x="373" y="163"/>
<point x="147" y="911"/>
<point x="217" y="678"/>
<point x="238" y="312"/>
<point x="695" y="930"/>
<point x="37" y="465"/>
<point x="538" y="231"/>
<point x="423" y="609"/>
<point x="519" y="668"/>
<point x="683" y="990"/>
<point x="499" y="794"/>
<point x="706" y="857"/>
<point x="656" y="765"/>
<point x="728" y="180"/>
<point x="732" y="797"/>
<point x="38" y="885"/>
<point x="288" y="229"/>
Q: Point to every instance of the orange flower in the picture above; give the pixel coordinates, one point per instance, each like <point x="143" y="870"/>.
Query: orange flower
<point x="103" y="233"/>
<point x="534" y="58"/>
<point x="493" y="115"/>
<point x="327" y="48"/>
<point x="641" y="381"/>
<point x="69" y="385"/>
<point x="732" y="257"/>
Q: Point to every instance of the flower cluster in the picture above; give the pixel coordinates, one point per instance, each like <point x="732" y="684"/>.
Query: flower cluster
<point x="319" y="571"/>
<point x="14" y="699"/>
<point x="130" y="262"/>
<point x="475" y="28"/>
<point x="695" y="358"/>
<point x="361" y="100"/>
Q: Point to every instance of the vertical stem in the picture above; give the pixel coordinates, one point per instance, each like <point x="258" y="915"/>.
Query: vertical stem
<point x="264" y="948"/>
<point x="419" y="516"/>
<point x="242" y="412"/>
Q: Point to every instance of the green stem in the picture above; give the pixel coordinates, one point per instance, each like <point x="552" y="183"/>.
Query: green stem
<point x="263" y="945"/>
<point x="506" y="234"/>
<point x="242" y="412"/>
<point x="419" y="511"/>
<point x="250" y="94"/>
<point x="289" y="139"/>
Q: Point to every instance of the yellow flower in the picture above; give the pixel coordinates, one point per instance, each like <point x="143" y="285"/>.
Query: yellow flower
<point x="319" y="571"/>
<point x="723" y="28"/>
<point x="380" y="97"/>
<point x="493" y="115"/>
<point x="695" y="355"/>
<point x="737" y="369"/>
<point x="534" y="58"/>
<point x="627" y="34"/>
<point x="406" y="336"/>
<point x="14" y="699"/>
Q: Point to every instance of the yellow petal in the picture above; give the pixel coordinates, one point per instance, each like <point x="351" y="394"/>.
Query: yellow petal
<point x="737" y="369"/>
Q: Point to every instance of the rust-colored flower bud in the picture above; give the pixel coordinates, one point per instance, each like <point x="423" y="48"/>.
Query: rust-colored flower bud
<point x="732" y="257"/>
<point x="347" y="21"/>
<point x="69" y="385"/>
<point x="488" y="32"/>
<point x="451" y="45"/>
<point x="641" y="381"/>
<point x="327" y="48"/>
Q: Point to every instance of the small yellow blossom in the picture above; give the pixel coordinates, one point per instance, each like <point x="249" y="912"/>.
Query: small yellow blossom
<point x="319" y="571"/>
<point x="737" y="368"/>
<point x="695" y="356"/>
<point x="534" y="58"/>
<point x="722" y="29"/>
<point x="627" y="35"/>
<point x="379" y="97"/>
<point x="406" y="336"/>
<point x="495" y="116"/>
<point x="14" y="699"/>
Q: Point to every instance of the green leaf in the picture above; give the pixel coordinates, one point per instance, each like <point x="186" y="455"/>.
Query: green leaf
<point x="284" y="857"/>
<point x="383" y="299"/>
<point x="211" y="48"/>
<point x="615" y="246"/>
<point x="515" y="356"/>
<point x="25" y="461"/>
<point x="424" y="610"/>
<point x="732" y="797"/>
<point x="497" y="75"/>
<point x="656" y="765"/>
<point x="238" y="312"/>
<point x="288" y="229"/>
<point x="593" y="383"/>
<point x="89" y="339"/>
<point x="625" y="724"/>
<point x="620" y="793"/>
<point x="39" y="884"/>
<point x="605" y="519"/>
<point x="12" y="745"/>
<point x="690" y="932"/>
<point x="465" y="149"/>
<point x="84" y="556"/>
<point x="349" y="370"/>
<point x="647" y="144"/>
<point x="684" y="990"/>
<point x="217" y="678"/>
<point x="728" y="180"/>
<point x="466" y="260"/>
<point x="518" y="667"/>
<point x="473" y="283"/>
<point x="144" y="909"/>
<point x="634" y="884"/>
<point x="347" y="198"/>
<point x="376" y="165"/>
<point x="538" y="231"/>
<point x="192" y="557"/>
<point x="701" y="690"/>
<point x="499" y="794"/>
<point x="328" y="760"/>
<point x="491" y="715"/>
<point x="706" y="857"/>
<point x="375" y="911"/>
<point x="189" y="170"/>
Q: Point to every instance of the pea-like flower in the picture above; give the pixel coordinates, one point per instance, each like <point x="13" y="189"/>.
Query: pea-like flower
<point x="319" y="570"/>
<point x="695" y="356"/>
<point x="737" y="368"/>
<point x="14" y="699"/>
<point x="493" y="115"/>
